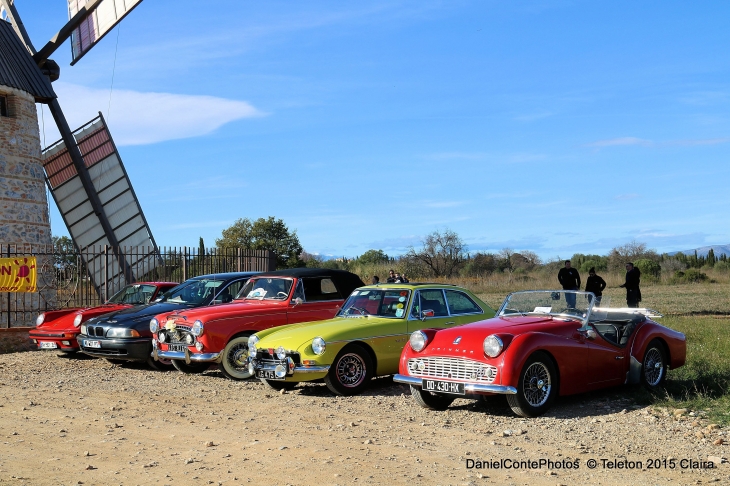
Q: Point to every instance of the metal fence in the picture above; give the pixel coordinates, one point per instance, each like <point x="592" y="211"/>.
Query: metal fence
<point x="64" y="280"/>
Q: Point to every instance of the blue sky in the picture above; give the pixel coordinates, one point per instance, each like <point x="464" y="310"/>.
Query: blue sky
<point x="551" y="126"/>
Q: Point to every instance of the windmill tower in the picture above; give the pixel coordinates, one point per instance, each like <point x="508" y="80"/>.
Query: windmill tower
<point x="25" y="79"/>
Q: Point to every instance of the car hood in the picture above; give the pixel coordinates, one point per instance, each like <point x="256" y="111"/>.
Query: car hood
<point x="295" y="336"/>
<point x="234" y="309"/>
<point x="473" y="335"/>
<point x="64" y="318"/>
<point x="138" y="313"/>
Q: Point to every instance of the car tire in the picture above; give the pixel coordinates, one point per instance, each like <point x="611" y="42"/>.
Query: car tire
<point x="537" y="387"/>
<point x="234" y="359"/>
<point x="654" y="366"/>
<point x="431" y="401"/>
<point x="279" y="385"/>
<point x="194" y="368"/>
<point x="161" y="365"/>
<point x="351" y="371"/>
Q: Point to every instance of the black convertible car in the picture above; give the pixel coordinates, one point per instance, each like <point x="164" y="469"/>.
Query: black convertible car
<point x="125" y="334"/>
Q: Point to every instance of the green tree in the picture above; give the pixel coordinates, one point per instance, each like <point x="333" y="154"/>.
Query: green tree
<point x="648" y="267"/>
<point x="373" y="257"/>
<point x="711" y="260"/>
<point x="201" y="247"/>
<point x="264" y="234"/>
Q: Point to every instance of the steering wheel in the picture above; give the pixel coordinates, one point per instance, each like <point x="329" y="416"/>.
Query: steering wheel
<point x="362" y="311"/>
<point x="283" y="295"/>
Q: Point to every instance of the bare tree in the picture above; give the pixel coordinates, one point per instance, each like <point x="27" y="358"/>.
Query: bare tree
<point x="630" y="252"/>
<point x="443" y="253"/>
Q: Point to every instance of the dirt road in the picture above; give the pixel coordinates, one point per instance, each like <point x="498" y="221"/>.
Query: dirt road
<point x="86" y="421"/>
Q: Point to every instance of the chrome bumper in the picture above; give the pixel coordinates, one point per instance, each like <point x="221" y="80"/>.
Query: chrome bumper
<point x="468" y="387"/>
<point x="297" y="369"/>
<point x="186" y="356"/>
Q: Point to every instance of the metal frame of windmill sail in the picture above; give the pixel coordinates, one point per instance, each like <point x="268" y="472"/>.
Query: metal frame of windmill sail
<point x="97" y="24"/>
<point x="119" y="205"/>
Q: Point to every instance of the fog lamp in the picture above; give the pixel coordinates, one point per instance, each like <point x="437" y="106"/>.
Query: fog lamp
<point x="189" y="339"/>
<point x="280" y="371"/>
<point x="66" y="343"/>
<point x="199" y="346"/>
<point x="162" y="336"/>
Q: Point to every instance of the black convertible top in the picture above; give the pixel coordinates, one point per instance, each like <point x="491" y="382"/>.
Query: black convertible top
<point x="345" y="281"/>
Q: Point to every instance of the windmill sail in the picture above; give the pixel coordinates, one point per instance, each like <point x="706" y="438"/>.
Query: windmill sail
<point x="97" y="24"/>
<point x="120" y="208"/>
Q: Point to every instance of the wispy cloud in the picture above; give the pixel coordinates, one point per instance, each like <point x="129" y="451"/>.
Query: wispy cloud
<point x="141" y="118"/>
<point x="621" y="141"/>
<point x="399" y="243"/>
<point x="626" y="197"/>
<point x="706" y="141"/>
<point x="530" y="117"/>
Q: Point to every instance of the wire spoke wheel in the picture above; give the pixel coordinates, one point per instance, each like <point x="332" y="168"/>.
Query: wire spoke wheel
<point x="654" y="366"/>
<point x="235" y="362"/>
<point x="536" y="384"/>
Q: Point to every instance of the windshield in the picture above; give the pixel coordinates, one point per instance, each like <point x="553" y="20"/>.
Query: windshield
<point x="194" y="292"/>
<point x="563" y="303"/>
<point x="133" y="294"/>
<point x="391" y="303"/>
<point x="266" y="288"/>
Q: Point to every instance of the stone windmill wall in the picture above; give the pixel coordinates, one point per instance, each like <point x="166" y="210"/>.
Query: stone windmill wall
<point x="24" y="220"/>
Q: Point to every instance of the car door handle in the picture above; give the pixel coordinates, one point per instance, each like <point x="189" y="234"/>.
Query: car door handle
<point x="619" y="357"/>
<point x="451" y="323"/>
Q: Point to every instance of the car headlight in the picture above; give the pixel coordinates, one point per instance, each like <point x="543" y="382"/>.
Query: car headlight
<point x="122" y="332"/>
<point x="39" y="320"/>
<point x="252" y="340"/>
<point x="197" y="328"/>
<point x="154" y="325"/>
<point x="318" y="345"/>
<point x="281" y="352"/>
<point x="493" y="346"/>
<point x="418" y="341"/>
<point x="83" y="329"/>
<point x="77" y="320"/>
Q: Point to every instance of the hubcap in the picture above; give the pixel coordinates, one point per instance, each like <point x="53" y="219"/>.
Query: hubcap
<point x="653" y="367"/>
<point x="350" y="370"/>
<point x="536" y="384"/>
<point x="238" y="356"/>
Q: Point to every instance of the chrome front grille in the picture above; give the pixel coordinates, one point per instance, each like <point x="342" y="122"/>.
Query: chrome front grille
<point x="178" y="335"/>
<point x="452" y="368"/>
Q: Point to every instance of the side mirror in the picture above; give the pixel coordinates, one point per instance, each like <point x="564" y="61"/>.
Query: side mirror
<point x="296" y="301"/>
<point x="591" y="334"/>
<point x="427" y="313"/>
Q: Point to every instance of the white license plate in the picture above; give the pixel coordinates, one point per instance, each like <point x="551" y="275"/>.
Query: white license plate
<point x="177" y="347"/>
<point x="267" y="375"/>
<point x="443" y="387"/>
<point x="48" y="345"/>
<point x="92" y="344"/>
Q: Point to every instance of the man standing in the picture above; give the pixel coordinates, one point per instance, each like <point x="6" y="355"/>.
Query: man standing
<point x="391" y="276"/>
<point x="596" y="285"/>
<point x="569" y="278"/>
<point x="633" y="278"/>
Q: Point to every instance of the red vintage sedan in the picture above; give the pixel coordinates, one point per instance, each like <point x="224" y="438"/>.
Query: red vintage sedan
<point x="58" y="329"/>
<point x="194" y="339"/>
<point x="540" y="345"/>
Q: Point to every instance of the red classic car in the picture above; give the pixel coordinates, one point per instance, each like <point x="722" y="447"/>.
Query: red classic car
<point x="58" y="329"/>
<point x="541" y="344"/>
<point x="195" y="338"/>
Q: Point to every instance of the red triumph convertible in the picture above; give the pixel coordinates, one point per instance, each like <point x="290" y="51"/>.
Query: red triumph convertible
<point x="58" y="329"/>
<point x="195" y="338"/>
<point x="541" y="344"/>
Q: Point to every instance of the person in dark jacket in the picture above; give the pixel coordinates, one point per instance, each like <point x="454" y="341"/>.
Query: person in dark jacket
<point x="569" y="278"/>
<point x="633" y="279"/>
<point x="596" y="285"/>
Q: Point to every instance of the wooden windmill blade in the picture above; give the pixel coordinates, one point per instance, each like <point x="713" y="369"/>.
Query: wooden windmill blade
<point x="97" y="207"/>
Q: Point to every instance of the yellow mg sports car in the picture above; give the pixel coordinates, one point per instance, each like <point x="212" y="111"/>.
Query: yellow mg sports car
<point x="365" y="339"/>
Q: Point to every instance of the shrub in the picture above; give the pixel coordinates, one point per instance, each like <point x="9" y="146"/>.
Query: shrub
<point x="691" y="275"/>
<point x="722" y="266"/>
<point x="648" y="267"/>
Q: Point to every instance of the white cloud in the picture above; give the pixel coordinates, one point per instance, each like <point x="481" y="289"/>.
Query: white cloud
<point x="138" y="118"/>
<point x="619" y="141"/>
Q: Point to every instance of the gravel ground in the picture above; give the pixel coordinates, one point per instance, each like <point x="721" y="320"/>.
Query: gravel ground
<point x="75" y="420"/>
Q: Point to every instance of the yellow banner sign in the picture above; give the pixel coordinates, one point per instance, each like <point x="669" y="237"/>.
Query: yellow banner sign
<point x="18" y="274"/>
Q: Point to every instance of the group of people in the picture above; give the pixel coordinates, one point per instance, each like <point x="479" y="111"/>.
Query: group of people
<point x="569" y="278"/>
<point x="393" y="277"/>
